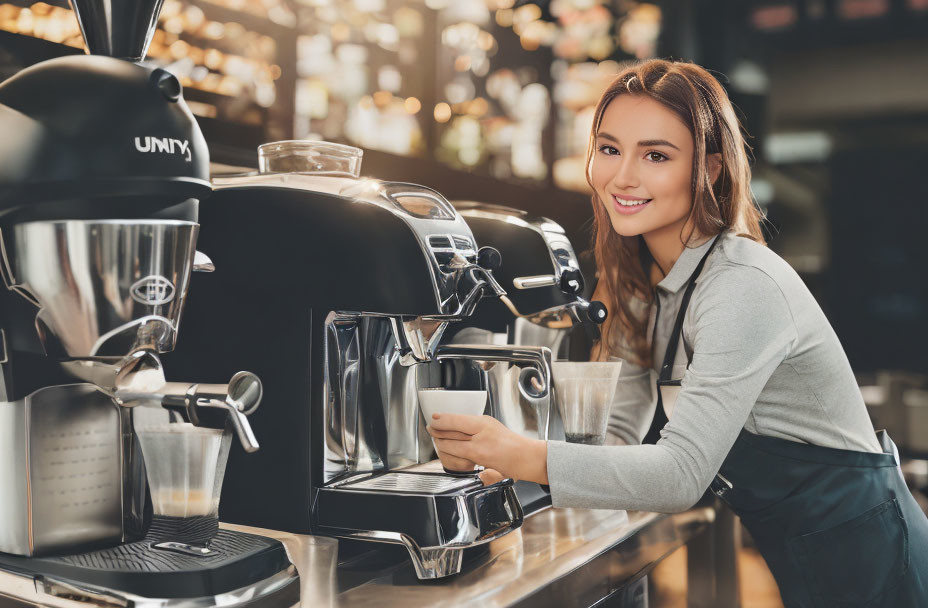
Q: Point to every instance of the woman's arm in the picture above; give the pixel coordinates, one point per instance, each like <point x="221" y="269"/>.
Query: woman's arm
<point x="463" y="441"/>
<point x="743" y="330"/>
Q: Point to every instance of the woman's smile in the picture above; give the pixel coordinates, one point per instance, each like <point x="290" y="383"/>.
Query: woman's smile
<point x="627" y="205"/>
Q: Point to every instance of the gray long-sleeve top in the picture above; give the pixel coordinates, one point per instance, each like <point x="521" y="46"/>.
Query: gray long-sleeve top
<point x="762" y="356"/>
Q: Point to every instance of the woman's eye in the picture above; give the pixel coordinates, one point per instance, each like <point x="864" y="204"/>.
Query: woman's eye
<point x="610" y="150"/>
<point x="656" y="157"/>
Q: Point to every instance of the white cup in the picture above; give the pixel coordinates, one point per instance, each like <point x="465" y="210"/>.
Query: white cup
<point x="444" y="401"/>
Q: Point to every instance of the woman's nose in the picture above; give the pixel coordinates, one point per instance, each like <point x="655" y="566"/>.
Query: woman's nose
<point x="626" y="174"/>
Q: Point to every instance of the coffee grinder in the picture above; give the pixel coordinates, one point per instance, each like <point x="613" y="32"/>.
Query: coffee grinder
<point x="109" y="474"/>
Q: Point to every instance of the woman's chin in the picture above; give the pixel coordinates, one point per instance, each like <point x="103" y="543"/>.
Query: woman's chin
<point x="624" y="226"/>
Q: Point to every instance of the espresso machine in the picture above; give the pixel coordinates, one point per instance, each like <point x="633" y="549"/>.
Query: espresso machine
<point x="545" y="307"/>
<point x="547" y="303"/>
<point x="109" y="473"/>
<point x="350" y="284"/>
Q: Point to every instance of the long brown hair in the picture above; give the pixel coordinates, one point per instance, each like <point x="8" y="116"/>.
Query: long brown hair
<point x="624" y="263"/>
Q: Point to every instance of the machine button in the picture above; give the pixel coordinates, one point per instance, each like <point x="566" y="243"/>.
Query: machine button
<point x="167" y="83"/>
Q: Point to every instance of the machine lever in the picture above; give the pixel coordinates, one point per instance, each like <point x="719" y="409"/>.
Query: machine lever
<point x="535" y="281"/>
<point x="571" y="282"/>
<point x="596" y="312"/>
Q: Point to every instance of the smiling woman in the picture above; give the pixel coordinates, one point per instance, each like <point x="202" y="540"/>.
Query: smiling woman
<point x="762" y="403"/>
<point x="644" y="184"/>
<point x="662" y="133"/>
<point x="627" y="176"/>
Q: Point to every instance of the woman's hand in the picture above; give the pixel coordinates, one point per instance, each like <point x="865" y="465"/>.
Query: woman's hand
<point x="490" y="476"/>
<point x="463" y="441"/>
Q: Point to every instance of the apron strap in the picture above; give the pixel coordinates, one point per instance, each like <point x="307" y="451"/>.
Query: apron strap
<point x="671" y="352"/>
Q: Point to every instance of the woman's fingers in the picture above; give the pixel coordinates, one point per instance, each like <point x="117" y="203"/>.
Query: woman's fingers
<point x="450" y="461"/>
<point x="456" y="464"/>
<point x="490" y="476"/>
<point x="461" y="449"/>
<point x="457" y="422"/>
<point x="457" y="435"/>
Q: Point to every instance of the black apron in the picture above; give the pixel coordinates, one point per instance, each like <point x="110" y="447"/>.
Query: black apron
<point x="836" y="527"/>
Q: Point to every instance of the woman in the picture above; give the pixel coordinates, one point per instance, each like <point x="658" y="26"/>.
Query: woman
<point x="767" y="412"/>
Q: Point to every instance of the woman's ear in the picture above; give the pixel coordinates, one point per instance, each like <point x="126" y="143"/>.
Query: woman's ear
<point x="714" y="166"/>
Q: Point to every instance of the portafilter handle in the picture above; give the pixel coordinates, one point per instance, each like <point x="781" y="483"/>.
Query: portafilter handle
<point x="240" y="397"/>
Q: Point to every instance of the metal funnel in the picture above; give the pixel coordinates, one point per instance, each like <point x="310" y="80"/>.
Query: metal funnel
<point x="117" y="28"/>
<point x="105" y="288"/>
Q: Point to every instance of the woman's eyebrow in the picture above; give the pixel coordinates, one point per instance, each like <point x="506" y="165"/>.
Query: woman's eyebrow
<point x="656" y="142"/>
<point x="641" y="144"/>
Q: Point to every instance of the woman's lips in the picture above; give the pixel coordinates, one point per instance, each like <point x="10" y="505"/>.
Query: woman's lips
<point x="630" y="209"/>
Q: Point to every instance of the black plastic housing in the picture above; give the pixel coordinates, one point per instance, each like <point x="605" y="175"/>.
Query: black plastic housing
<point x="285" y="258"/>
<point x="85" y="133"/>
<point x="524" y="253"/>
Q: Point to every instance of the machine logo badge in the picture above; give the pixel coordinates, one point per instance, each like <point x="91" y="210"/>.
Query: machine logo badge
<point x="164" y="145"/>
<point x="152" y="290"/>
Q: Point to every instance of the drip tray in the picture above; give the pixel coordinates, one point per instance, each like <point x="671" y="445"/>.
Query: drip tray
<point x="238" y="563"/>
<point x="413" y="483"/>
<point x="427" y="510"/>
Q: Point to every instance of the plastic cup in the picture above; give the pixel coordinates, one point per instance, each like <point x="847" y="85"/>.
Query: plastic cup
<point x="185" y="466"/>
<point x="584" y="392"/>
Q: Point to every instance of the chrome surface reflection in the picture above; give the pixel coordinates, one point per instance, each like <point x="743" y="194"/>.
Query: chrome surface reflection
<point x="373" y="429"/>
<point x="62" y="593"/>
<point x="518" y="381"/>
<point x="558" y="557"/>
<point x="62" y="472"/>
<point x="372" y="419"/>
<point x="103" y="287"/>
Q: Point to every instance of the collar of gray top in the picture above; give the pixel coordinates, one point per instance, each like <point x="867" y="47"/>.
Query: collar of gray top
<point x="683" y="268"/>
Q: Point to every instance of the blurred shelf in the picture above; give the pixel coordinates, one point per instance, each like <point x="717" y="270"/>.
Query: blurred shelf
<point x="23" y="51"/>
<point x="217" y="12"/>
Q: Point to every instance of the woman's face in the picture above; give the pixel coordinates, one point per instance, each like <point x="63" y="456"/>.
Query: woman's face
<point x="642" y="166"/>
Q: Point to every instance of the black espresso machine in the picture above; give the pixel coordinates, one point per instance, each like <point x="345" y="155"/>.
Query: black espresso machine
<point x="109" y="474"/>
<point x="547" y="301"/>
<point x="342" y="290"/>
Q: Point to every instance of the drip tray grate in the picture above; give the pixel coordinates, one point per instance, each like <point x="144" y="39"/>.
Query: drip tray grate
<point x="416" y="483"/>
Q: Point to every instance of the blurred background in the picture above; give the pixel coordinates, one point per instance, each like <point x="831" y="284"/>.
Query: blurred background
<point x="492" y="100"/>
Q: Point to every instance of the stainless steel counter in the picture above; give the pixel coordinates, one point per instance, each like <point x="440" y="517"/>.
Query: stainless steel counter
<point x="559" y="557"/>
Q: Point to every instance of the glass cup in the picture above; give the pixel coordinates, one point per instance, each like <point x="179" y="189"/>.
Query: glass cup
<point x="306" y="156"/>
<point x="584" y="392"/>
<point x="445" y="401"/>
<point x="185" y="465"/>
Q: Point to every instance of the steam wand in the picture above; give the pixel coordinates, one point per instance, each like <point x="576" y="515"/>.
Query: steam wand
<point x="138" y="379"/>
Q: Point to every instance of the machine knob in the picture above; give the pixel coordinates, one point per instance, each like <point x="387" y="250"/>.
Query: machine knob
<point x="571" y="281"/>
<point x="167" y="83"/>
<point x="597" y="312"/>
<point x="489" y="258"/>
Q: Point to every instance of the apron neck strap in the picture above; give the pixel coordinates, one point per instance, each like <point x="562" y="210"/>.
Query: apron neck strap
<point x="671" y="352"/>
